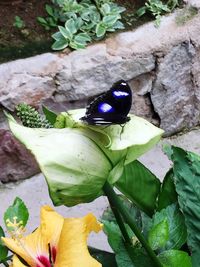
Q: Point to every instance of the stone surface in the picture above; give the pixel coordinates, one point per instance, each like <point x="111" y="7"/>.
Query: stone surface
<point x="173" y="95"/>
<point x="142" y="105"/>
<point x="194" y="3"/>
<point x="16" y="162"/>
<point x="34" y="191"/>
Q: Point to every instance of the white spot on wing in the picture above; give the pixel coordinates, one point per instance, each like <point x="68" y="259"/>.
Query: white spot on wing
<point x="120" y="93"/>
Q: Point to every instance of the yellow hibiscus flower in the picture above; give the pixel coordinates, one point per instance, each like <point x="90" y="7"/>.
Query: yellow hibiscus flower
<point x="57" y="242"/>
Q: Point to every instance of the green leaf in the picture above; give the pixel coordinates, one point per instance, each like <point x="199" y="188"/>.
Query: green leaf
<point x="187" y="182"/>
<point x="116" y="242"/>
<point x="159" y="235"/>
<point x="100" y="30"/>
<point x="78" y="23"/>
<point x="3" y="249"/>
<point x="65" y="32"/>
<point x="49" y="10"/>
<point x="57" y="36"/>
<point x="107" y="259"/>
<point x="16" y="212"/>
<point x="75" y="45"/>
<point x="168" y="193"/>
<point x="42" y="20"/>
<point x="176" y="224"/>
<point x="118" y="25"/>
<point x="60" y="44"/>
<point x="140" y="185"/>
<point x="105" y="9"/>
<point x="50" y="115"/>
<point x="167" y="149"/>
<point x="110" y="20"/>
<point x="141" y="11"/>
<point x="82" y="38"/>
<point x="175" y="258"/>
<point x="70" y="25"/>
<point x="123" y="251"/>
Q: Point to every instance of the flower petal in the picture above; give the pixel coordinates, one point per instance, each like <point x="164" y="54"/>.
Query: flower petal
<point x="135" y="138"/>
<point x="74" y="166"/>
<point x="51" y="225"/>
<point x="72" y="247"/>
<point x="16" y="262"/>
<point x="26" y="247"/>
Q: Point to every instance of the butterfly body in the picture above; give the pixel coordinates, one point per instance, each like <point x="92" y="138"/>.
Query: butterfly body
<point x="111" y="107"/>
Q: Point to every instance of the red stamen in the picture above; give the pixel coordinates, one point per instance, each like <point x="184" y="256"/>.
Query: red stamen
<point x="53" y="253"/>
<point x="44" y="261"/>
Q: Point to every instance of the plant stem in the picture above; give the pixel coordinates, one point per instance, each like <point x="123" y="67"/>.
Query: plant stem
<point x="117" y="203"/>
<point x="121" y="224"/>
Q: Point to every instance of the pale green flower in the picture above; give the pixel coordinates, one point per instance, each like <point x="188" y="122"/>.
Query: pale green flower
<point x="78" y="159"/>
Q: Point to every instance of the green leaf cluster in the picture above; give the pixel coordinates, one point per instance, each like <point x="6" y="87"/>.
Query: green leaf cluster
<point x="18" y="22"/>
<point x="15" y="217"/>
<point x="52" y="20"/>
<point x="167" y="213"/>
<point x="157" y="8"/>
<point x="80" y="22"/>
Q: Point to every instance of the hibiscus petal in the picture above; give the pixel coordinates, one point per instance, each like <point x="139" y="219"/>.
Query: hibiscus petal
<point x="72" y="247"/>
<point x="16" y="262"/>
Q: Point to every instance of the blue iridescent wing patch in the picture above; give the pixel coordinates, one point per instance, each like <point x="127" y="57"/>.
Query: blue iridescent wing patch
<point x="111" y="107"/>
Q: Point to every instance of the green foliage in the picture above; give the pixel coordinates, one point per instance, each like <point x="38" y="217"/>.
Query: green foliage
<point x="81" y="22"/>
<point x="3" y="249"/>
<point x="16" y="213"/>
<point x="70" y="36"/>
<point x="31" y="118"/>
<point x="168" y="193"/>
<point x="107" y="259"/>
<point x="19" y="23"/>
<point x="52" y="20"/>
<point x="140" y="185"/>
<point x="50" y="115"/>
<point x="123" y="252"/>
<point x="187" y="182"/>
<point x="175" y="258"/>
<point x="158" y="235"/>
<point x="168" y="230"/>
<point x="157" y="8"/>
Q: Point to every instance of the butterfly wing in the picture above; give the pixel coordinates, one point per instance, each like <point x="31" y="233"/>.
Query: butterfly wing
<point x="111" y="107"/>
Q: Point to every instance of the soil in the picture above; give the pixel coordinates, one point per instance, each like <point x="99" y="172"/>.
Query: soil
<point x="33" y="38"/>
<point x="29" y="40"/>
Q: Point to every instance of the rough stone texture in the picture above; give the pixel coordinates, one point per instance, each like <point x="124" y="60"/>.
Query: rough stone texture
<point x="15" y="161"/>
<point x="173" y="94"/>
<point x="194" y="3"/>
<point x="29" y="80"/>
<point x="162" y="65"/>
<point x="142" y="105"/>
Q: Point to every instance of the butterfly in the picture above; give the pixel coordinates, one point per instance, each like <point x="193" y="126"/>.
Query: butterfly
<point x="111" y="107"/>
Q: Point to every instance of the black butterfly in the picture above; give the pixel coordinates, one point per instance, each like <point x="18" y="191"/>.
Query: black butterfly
<point x="111" y="107"/>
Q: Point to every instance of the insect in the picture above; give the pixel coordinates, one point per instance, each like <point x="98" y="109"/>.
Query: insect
<point x="111" y="107"/>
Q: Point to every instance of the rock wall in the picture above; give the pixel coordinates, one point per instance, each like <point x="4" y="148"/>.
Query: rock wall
<point x="161" y="64"/>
